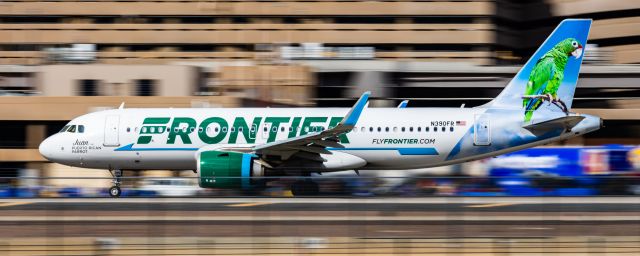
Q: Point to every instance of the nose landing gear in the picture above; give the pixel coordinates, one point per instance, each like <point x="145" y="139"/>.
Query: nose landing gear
<point x="115" y="190"/>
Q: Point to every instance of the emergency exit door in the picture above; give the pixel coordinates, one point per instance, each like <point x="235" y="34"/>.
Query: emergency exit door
<point x="111" y="135"/>
<point x="482" y="135"/>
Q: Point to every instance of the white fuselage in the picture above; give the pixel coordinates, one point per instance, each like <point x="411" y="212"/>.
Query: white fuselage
<point x="385" y="138"/>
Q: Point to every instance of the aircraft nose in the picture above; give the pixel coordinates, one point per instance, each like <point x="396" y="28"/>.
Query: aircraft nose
<point x="46" y="149"/>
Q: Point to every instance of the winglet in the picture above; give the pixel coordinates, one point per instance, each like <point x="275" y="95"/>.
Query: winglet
<point x="354" y="114"/>
<point x="403" y="104"/>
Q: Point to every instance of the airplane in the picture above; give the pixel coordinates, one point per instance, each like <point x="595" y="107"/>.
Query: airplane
<point x="240" y="147"/>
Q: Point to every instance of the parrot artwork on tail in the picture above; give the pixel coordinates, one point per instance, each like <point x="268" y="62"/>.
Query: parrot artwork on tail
<point x="547" y="75"/>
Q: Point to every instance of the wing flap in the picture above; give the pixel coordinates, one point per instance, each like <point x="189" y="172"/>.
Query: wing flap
<point x="312" y="149"/>
<point x="327" y="143"/>
<point x="309" y="156"/>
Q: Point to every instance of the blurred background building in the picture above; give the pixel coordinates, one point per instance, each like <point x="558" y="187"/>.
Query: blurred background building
<point x="60" y="59"/>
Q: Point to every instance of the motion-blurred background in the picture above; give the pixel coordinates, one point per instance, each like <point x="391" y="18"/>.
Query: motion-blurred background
<point x="61" y="59"/>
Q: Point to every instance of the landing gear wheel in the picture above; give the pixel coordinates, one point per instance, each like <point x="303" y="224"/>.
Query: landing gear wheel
<point x="305" y="188"/>
<point x="115" y="191"/>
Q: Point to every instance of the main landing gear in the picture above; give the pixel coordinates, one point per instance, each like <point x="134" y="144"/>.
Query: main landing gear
<point x="305" y="188"/>
<point x="115" y="190"/>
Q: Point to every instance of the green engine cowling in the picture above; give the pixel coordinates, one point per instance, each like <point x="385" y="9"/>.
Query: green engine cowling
<point x="225" y="169"/>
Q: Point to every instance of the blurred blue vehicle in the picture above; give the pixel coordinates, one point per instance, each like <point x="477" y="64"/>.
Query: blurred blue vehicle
<point x="567" y="171"/>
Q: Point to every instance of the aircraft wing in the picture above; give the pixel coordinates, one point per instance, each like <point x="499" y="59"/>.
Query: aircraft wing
<point x="312" y="145"/>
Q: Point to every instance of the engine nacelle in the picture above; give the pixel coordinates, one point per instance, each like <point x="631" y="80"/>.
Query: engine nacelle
<point x="225" y="169"/>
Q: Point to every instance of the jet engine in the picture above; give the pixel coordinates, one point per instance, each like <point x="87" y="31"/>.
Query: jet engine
<point x="226" y="169"/>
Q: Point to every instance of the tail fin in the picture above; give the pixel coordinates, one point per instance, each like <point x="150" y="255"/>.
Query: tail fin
<point x="551" y="74"/>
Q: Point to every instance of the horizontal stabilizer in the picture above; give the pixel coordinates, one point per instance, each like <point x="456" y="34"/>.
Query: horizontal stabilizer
<point x="565" y="122"/>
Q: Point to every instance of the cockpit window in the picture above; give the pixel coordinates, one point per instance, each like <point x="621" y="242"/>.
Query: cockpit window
<point x="64" y="129"/>
<point x="72" y="129"/>
<point x="81" y="128"/>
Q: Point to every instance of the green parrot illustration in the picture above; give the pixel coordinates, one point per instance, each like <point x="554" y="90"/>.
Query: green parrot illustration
<point x="546" y="76"/>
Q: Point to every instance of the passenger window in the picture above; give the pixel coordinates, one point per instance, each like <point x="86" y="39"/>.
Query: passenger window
<point x="128" y="129"/>
<point x="265" y="128"/>
<point x="64" y="129"/>
<point x="290" y="128"/>
<point x="274" y="129"/>
<point x="395" y="129"/>
<point x="201" y="129"/>
<point x="386" y="129"/>
<point x="419" y="128"/>
<point x="362" y="129"/>
<point x="81" y="128"/>
<point x="426" y="129"/>
<point x="451" y="128"/>
<point x="402" y="129"/>
<point x="72" y="129"/>
<point x="370" y="129"/>
<point x="282" y="129"/>
<point x="443" y="128"/>
<point x="233" y="129"/>
<point x="435" y="129"/>
<point x="411" y="129"/>
<point x="239" y="129"/>
<point x="217" y="129"/>
<point x="379" y="129"/>
<point x="253" y="128"/>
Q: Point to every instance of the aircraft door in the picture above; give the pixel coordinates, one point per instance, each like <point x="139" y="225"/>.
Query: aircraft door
<point x="253" y="131"/>
<point x="111" y="136"/>
<point x="265" y="131"/>
<point x="482" y="126"/>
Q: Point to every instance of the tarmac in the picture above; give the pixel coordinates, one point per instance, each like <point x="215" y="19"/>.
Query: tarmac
<point x="327" y="226"/>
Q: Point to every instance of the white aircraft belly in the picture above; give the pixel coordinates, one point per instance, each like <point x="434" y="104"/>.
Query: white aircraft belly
<point x="174" y="160"/>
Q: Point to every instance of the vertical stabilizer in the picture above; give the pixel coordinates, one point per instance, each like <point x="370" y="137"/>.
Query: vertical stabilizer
<point x="548" y="80"/>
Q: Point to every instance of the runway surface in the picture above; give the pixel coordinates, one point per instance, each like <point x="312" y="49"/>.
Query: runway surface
<point x="324" y="217"/>
<point x="321" y="226"/>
